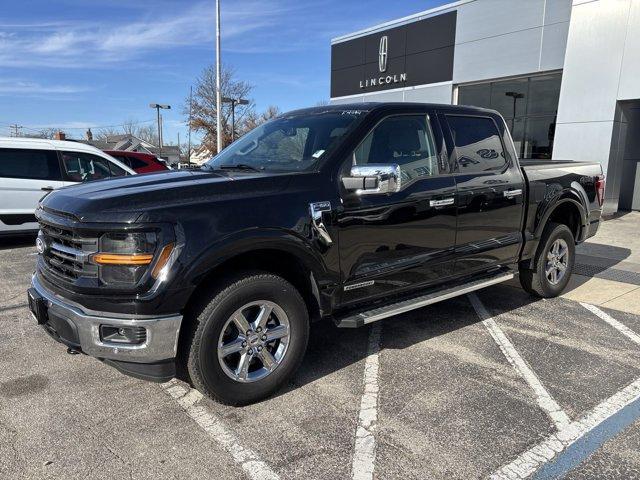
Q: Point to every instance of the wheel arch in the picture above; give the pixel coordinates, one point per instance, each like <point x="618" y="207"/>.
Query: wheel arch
<point x="279" y="253"/>
<point x="566" y="209"/>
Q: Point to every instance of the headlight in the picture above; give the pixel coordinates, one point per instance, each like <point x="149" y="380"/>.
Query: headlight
<point x="124" y="258"/>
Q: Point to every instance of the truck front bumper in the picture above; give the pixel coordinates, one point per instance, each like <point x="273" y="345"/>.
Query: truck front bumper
<point x="151" y="357"/>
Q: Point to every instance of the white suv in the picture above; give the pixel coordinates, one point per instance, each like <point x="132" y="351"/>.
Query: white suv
<point x="29" y="168"/>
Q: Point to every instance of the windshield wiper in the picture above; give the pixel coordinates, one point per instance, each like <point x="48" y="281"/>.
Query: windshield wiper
<point x="239" y="166"/>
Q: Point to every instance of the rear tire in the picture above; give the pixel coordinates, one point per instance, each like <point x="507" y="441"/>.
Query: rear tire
<point x="240" y="367"/>
<point x="553" y="263"/>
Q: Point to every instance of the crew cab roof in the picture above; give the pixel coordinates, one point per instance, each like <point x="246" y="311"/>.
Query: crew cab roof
<point x="371" y="107"/>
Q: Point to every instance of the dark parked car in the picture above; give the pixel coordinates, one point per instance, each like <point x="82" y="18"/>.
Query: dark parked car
<point x="349" y="213"/>
<point x="140" y="162"/>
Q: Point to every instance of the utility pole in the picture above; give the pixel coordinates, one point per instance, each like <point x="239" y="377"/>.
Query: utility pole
<point x="15" y="127"/>
<point x="158" y="106"/>
<point x="218" y="93"/>
<point x="189" y="141"/>
<point x="178" y="147"/>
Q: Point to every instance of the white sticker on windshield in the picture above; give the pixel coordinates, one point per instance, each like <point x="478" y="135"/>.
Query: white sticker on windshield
<point x="318" y="154"/>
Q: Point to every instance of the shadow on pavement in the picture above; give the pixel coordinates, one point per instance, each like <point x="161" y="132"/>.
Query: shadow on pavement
<point x="608" y="254"/>
<point x="17" y="241"/>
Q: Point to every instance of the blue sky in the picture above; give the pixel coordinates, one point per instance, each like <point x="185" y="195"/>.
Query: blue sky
<point x="75" y="64"/>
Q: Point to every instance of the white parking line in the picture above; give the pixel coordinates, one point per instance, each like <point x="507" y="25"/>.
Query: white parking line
<point x="623" y="329"/>
<point x="188" y="399"/>
<point x="543" y="397"/>
<point x="536" y="457"/>
<point x="364" y="455"/>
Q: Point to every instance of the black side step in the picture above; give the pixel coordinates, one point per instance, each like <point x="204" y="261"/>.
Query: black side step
<point x="359" y="319"/>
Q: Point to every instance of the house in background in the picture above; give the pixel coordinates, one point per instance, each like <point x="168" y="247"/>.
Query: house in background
<point x="130" y="143"/>
<point x="201" y="154"/>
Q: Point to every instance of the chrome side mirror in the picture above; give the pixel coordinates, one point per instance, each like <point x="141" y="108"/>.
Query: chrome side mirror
<point x="374" y="178"/>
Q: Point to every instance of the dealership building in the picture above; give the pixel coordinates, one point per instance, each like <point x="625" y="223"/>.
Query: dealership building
<point x="564" y="74"/>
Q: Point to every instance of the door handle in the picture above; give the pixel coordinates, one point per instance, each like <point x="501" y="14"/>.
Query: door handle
<point x="442" y="203"/>
<point x="512" y="193"/>
<point x="47" y="189"/>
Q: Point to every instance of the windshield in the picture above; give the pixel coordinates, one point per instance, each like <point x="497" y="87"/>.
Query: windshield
<point x="289" y="143"/>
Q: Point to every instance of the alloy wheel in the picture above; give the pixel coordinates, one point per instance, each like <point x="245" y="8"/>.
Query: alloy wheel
<point x="557" y="261"/>
<point x="254" y="341"/>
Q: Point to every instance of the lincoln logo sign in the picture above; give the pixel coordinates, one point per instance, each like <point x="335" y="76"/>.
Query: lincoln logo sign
<point x="383" y="56"/>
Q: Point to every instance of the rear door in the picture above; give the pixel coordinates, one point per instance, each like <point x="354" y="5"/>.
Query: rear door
<point x="392" y="242"/>
<point x="490" y="193"/>
<point x="25" y="177"/>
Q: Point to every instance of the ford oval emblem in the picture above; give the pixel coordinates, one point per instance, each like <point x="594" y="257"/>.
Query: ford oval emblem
<point x="40" y="245"/>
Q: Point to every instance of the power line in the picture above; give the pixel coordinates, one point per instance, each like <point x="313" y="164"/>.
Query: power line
<point x="36" y="129"/>
<point x="16" y="128"/>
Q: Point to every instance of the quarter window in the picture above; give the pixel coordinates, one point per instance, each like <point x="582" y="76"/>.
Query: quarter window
<point x="477" y="143"/>
<point x="30" y="164"/>
<point x="406" y="140"/>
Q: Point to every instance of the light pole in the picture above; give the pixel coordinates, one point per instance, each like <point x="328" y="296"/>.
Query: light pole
<point x="515" y="96"/>
<point x="234" y="102"/>
<point x="190" y="109"/>
<point x="218" y="93"/>
<point x="158" y="106"/>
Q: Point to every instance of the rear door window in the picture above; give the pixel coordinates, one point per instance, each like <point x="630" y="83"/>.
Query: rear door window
<point x="29" y="164"/>
<point x="82" y="167"/>
<point x="136" y="163"/>
<point x="478" y="145"/>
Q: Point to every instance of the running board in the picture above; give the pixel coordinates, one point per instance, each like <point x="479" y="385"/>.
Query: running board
<point x="362" y="318"/>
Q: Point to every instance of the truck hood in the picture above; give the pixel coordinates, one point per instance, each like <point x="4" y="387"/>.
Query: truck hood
<point x="127" y="199"/>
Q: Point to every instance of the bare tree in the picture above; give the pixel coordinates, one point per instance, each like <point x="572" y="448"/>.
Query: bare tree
<point x="47" y="133"/>
<point x="143" y="131"/>
<point x="147" y="132"/>
<point x="203" y="115"/>
<point x="105" y="133"/>
<point x="254" y="119"/>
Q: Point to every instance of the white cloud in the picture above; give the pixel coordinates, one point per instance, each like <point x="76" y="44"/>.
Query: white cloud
<point x="249" y="26"/>
<point x="25" y="88"/>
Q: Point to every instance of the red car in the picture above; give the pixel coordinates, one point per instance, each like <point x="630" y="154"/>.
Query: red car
<point x="140" y="162"/>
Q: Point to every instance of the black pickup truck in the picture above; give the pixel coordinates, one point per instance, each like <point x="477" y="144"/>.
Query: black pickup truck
<point x="352" y="213"/>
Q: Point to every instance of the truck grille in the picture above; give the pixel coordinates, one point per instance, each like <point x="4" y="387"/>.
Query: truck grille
<point x="66" y="253"/>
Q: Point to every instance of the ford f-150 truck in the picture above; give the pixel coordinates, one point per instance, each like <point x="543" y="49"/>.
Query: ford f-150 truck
<point x="349" y="213"/>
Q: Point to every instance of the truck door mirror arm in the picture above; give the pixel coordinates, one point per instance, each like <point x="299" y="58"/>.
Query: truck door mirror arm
<point x="373" y="179"/>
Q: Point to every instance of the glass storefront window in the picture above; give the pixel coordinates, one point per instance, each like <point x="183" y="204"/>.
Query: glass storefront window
<point x="528" y="105"/>
<point x="544" y="95"/>
<point x="538" y="139"/>
<point x="509" y="98"/>
<point x="477" y="95"/>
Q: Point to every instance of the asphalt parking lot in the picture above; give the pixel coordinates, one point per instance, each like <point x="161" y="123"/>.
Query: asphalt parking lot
<point x="495" y="384"/>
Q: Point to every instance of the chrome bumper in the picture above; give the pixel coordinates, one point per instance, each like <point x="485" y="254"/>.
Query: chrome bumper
<point x="161" y="331"/>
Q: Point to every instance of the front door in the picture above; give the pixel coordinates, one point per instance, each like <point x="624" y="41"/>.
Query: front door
<point x="394" y="242"/>
<point x="490" y="194"/>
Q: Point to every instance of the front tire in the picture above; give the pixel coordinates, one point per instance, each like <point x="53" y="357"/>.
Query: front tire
<point x="249" y="339"/>
<point x="553" y="263"/>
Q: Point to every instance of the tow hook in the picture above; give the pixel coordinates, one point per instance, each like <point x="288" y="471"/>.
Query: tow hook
<point x="72" y="351"/>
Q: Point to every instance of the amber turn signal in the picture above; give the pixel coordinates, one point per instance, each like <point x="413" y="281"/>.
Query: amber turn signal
<point x="118" y="259"/>
<point x="163" y="258"/>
